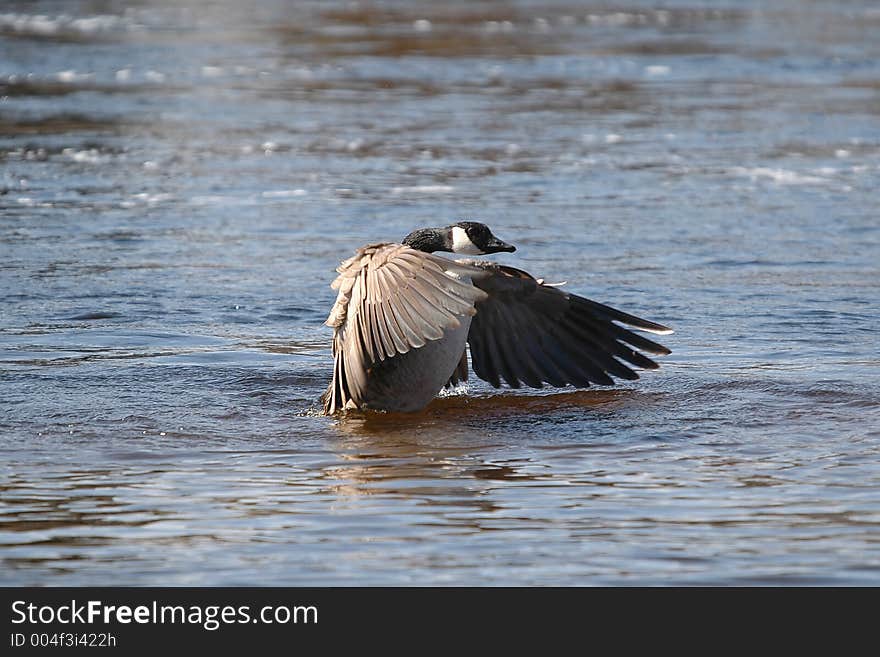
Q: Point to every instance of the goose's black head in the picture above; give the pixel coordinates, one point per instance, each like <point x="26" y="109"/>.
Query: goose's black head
<point x="468" y="237"/>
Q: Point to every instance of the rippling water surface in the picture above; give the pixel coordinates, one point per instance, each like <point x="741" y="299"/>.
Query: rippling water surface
<point x="179" y="180"/>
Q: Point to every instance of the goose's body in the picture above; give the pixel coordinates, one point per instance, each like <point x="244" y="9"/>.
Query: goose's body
<point x="403" y="317"/>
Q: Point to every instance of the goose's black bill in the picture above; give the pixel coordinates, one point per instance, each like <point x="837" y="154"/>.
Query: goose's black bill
<point x="495" y="246"/>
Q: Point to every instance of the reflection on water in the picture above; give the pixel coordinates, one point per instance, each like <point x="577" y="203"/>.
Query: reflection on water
<point x="178" y="182"/>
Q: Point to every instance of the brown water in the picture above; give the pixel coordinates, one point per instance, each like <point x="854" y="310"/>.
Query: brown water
<point x="179" y="180"/>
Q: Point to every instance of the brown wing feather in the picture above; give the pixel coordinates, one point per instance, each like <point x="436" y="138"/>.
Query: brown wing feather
<point x="391" y="298"/>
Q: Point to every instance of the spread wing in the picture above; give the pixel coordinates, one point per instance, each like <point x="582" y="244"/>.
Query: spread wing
<point x="391" y="299"/>
<point x="528" y="332"/>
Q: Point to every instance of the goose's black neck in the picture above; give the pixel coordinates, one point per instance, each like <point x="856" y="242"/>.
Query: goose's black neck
<point x="427" y="240"/>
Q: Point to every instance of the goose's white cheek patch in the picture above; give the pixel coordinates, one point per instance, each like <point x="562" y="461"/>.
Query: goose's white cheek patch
<point x="461" y="243"/>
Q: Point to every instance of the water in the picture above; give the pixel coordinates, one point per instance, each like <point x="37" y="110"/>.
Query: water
<point x="179" y="180"/>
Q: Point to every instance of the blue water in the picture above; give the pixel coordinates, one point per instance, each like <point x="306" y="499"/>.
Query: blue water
<point x="178" y="182"/>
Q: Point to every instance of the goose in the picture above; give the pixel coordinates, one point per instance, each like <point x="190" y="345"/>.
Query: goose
<point x="403" y="317"/>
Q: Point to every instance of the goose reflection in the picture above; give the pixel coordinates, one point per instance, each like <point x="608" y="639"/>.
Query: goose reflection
<point x="444" y="453"/>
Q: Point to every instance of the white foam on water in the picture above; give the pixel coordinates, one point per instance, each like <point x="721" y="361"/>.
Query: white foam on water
<point x="284" y="193"/>
<point x="87" y="156"/>
<point x="617" y="19"/>
<point x="29" y="202"/>
<point x="211" y="199"/>
<point x="423" y="189"/>
<point x="73" y="76"/>
<point x="29" y="24"/>
<point x="459" y="390"/>
<point x="224" y="200"/>
<point x="43" y="25"/>
<point x="101" y="23"/>
<point x="493" y="27"/>
<point x="779" y="176"/>
<point x="657" y="70"/>
<point x="151" y="199"/>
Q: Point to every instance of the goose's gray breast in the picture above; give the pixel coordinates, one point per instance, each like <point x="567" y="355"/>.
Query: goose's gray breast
<point x="408" y="382"/>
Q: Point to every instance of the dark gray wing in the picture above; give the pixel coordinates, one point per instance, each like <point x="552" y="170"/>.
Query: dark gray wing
<point x="391" y="299"/>
<point x="528" y="332"/>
